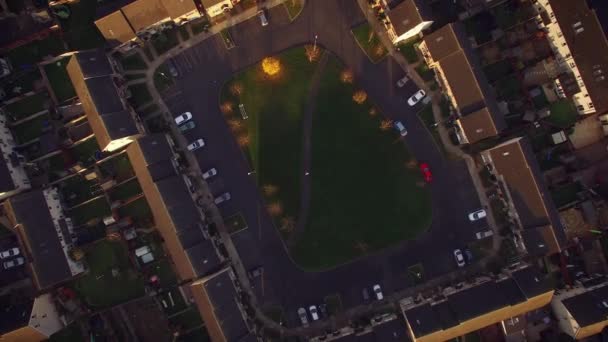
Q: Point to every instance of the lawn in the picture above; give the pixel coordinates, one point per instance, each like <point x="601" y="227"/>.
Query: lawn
<point x="508" y="88"/>
<point x="197" y="335"/>
<point x="174" y="306"/>
<point x="17" y="84"/>
<point x="110" y="279"/>
<point x="497" y="70"/>
<point x="139" y="95"/>
<point x="139" y="211"/>
<point x="124" y="191"/>
<point x="364" y="197"/>
<point x="27" y="106"/>
<point x="71" y="333"/>
<point x="187" y="319"/>
<point x="565" y="194"/>
<point x="34" y="51"/>
<point x="369" y="42"/>
<point x="425" y="73"/>
<point x="235" y="223"/>
<point x="165" y="273"/>
<point x="162" y="78"/>
<point x="563" y="113"/>
<point x="59" y="80"/>
<point x="79" y="30"/>
<point x="274" y="128"/>
<point x="165" y="41"/>
<point x="31" y="129"/>
<point x="119" y="167"/>
<point x="133" y="62"/>
<point x="85" y="151"/>
<point x="95" y="209"/>
<point x="77" y="189"/>
<point x="408" y="50"/>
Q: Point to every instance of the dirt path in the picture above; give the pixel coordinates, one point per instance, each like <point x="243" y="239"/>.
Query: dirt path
<point x="311" y="102"/>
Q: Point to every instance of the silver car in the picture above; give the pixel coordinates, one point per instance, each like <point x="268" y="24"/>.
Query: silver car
<point x="222" y="198"/>
<point x="9" y="253"/>
<point x="419" y="95"/>
<point x="196" y="145"/>
<point x="13" y="263"/>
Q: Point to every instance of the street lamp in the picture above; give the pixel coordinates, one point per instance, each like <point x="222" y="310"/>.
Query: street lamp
<point x="315" y="44"/>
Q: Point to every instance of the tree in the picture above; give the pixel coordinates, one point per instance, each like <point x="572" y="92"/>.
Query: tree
<point x="243" y="140"/>
<point x="373" y="111"/>
<point x="235" y="125"/>
<point x="227" y="107"/>
<point x="386" y="124"/>
<point x="362" y="247"/>
<point x="236" y="88"/>
<point x="347" y="76"/>
<point x="359" y="96"/>
<point x="312" y="52"/>
<point x="275" y="209"/>
<point x="287" y="224"/>
<point x="271" y="66"/>
<point x="379" y="50"/>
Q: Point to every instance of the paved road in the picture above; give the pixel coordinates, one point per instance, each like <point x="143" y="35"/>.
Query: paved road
<point x="206" y="66"/>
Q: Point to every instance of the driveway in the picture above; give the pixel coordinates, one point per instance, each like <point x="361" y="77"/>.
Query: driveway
<point x="205" y="67"/>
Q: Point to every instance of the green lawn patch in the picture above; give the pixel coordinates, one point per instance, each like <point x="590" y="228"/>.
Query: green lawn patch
<point x="186" y="320"/>
<point x="294" y="8"/>
<point x="199" y="27"/>
<point x="124" y="191"/>
<point x="139" y="95"/>
<point x="71" y="333"/>
<point x="196" y="335"/>
<point x="79" y="30"/>
<point x="85" y="151"/>
<point x="172" y="301"/>
<point x="428" y="118"/>
<point x="165" y="273"/>
<point x="31" y="129"/>
<point x="497" y="70"/>
<point x="425" y="73"/>
<point x="162" y="78"/>
<point x="369" y="42"/>
<point x="139" y="211"/>
<point x="24" y="82"/>
<point x="118" y="167"/>
<point x="4" y="232"/>
<point x="565" y="194"/>
<point x="563" y="113"/>
<point x="364" y="197"/>
<point x="408" y="50"/>
<point x="275" y="109"/>
<point x="147" y="110"/>
<point x="110" y="279"/>
<point x="508" y="88"/>
<point x="165" y="41"/>
<point x="78" y="189"/>
<point x="235" y="223"/>
<point x="27" y="106"/>
<point x="59" y="80"/>
<point x="34" y="51"/>
<point x="133" y="61"/>
<point x="95" y="209"/>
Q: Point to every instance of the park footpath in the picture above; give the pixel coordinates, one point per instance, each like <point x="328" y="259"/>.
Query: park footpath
<point x="436" y="97"/>
<point x="213" y="215"/>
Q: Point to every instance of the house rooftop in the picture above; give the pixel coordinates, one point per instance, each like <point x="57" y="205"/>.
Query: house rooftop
<point x="40" y="237"/>
<point x="407" y="15"/>
<point x="103" y="94"/>
<point x="144" y="13"/>
<point x="462" y="82"/>
<point x="93" y="63"/>
<point x="531" y="282"/>
<point x="588" y="45"/>
<point x="515" y="162"/>
<point x="119" y="124"/>
<point x="154" y="148"/>
<point x="203" y="257"/>
<point x="444" y="41"/>
<point x="115" y="28"/>
<point x="589" y="307"/>
<point x="177" y="8"/>
<point x="478" y="125"/>
<point x="179" y="204"/>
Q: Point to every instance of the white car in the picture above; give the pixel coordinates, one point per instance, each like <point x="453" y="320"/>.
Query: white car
<point x="262" y="16"/>
<point x="13" y="263"/>
<point x="222" y="198"/>
<point x="303" y="316"/>
<point x="401" y="128"/>
<point x="484" y="234"/>
<point x="183" y="118"/>
<point x="196" y="145"/>
<point x="419" y="95"/>
<point x="378" y="292"/>
<point x="477" y="215"/>
<point x="314" y="313"/>
<point x="402" y="81"/>
<point x="459" y="257"/>
<point x="9" y="253"/>
<point x="209" y="173"/>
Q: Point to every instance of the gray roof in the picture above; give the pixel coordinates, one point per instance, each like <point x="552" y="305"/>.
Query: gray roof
<point x="466" y="304"/>
<point x="589" y="307"/>
<point x="119" y="124"/>
<point x="154" y="148"/>
<point x="94" y="63"/>
<point x="104" y="94"/>
<point x="423" y="320"/>
<point x="203" y="258"/>
<point x="47" y="256"/>
<point x="394" y="330"/>
<point x="531" y="282"/>
<point x="223" y="297"/>
<point x="176" y="197"/>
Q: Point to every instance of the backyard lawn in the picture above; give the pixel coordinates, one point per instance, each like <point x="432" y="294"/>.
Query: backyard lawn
<point x="79" y="30"/>
<point x="85" y="151"/>
<point x="59" y="80"/>
<point x="34" y="51"/>
<point x="165" y="41"/>
<point x="110" y="279"/>
<point x="187" y="319"/>
<point x="77" y="189"/>
<point x="363" y="196"/>
<point x="408" y="50"/>
<point x="118" y="166"/>
<point x="139" y="211"/>
<point x="95" y="209"/>
<point x="563" y="113"/>
<point x="139" y="95"/>
<point x="369" y="42"/>
<point x="31" y="129"/>
<point x="132" y="62"/>
<point x="27" y="106"/>
<point x="124" y="191"/>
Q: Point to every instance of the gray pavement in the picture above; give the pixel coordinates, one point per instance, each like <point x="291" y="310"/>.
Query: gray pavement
<point x="205" y="64"/>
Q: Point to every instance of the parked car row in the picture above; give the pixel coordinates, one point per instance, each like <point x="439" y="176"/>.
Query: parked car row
<point x="463" y="257"/>
<point x="315" y="313"/>
<point x="11" y="258"/>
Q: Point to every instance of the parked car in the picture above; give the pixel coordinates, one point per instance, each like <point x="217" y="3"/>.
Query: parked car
<point x="172" y="69"/>
<point x="419" y="95"/>
<point x="209" y="173"/>
<point x="401" y="128"/>
<point x="222" y="198"/>
<point x="459" y="257"/>
<point x="426" y="172"/>
<point x="262" y="16"/>
<point x="183" y="118"/>
<point x="13" y="263"/>
<point x="468" y="255"/>
<point x="303" y="316"/>
<point x="314" y="313"/>
<point x="196" y="145"/>
<point x="187" y="126"/>
<point x="256" y="272"/>
<point x="365" y="294"/>
<point x="9" y="253"/>
<point x="402" y="81"/>
<point x="484" y="234"/>
<point x="477" y="215"/>
<point x="378" y="292"/>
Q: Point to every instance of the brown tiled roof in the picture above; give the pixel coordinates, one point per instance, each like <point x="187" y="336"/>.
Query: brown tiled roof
<point x="515" y="162"/>
<point x="144" y="13"/>
<point x="405" y="17"/>
<point x="588" y="46"/>
<point x="115" y="28"/>
<point x="442" y="42"/>
<point x="462" y="82"/>
<point x="478" y="125"/>
<point x="177" y="8"/>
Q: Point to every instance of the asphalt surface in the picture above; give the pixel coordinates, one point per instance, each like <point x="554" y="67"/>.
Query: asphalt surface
<point x="204" y="68"/>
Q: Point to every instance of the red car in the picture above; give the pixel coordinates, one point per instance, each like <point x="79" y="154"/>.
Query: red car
<point x="426" y="172"/>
